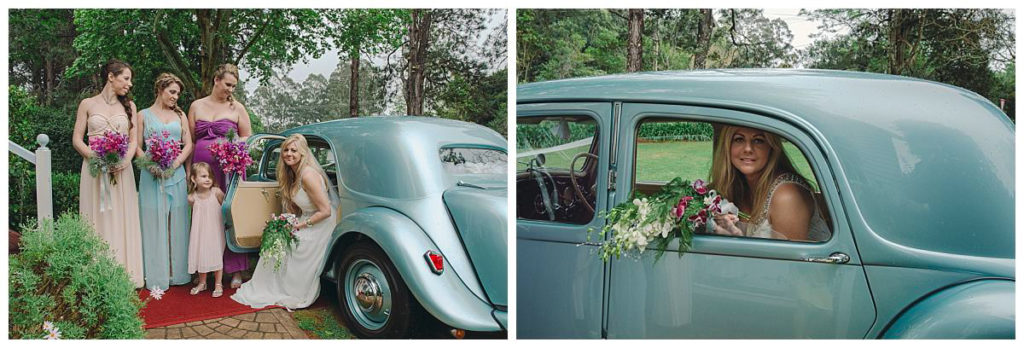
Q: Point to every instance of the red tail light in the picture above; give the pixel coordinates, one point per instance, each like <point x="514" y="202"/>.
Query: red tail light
<point x="435" y="261"/>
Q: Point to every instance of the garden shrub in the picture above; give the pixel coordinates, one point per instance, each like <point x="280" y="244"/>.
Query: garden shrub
<point x="27" y="120"/>
<point x="65" y="275"/>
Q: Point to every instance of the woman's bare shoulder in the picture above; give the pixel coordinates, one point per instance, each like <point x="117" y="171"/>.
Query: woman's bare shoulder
<point x="791" y="195"/>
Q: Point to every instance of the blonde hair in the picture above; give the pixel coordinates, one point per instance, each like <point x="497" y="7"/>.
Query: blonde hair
<point x="225" y="69"/>
<point x="196" y="167"/>
<point x="165" y="80"/>
<point x="732" y="184"/>
<point x="288" y="178"/>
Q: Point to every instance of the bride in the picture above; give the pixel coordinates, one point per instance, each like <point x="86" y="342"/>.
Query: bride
<point x="304" y="192"/>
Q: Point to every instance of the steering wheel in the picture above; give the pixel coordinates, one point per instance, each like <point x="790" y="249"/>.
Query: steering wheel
<point x="572" y="177"/>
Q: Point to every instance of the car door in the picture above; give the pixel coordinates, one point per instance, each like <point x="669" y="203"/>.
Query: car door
<point x="735" y="287"/>
<point x="560" y="280"/>
<point x="250" y="200"/>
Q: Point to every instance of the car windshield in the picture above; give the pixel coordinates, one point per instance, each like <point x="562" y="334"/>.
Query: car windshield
<point x="470" y="160"/>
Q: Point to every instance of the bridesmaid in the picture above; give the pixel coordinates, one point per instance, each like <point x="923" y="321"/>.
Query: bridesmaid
<point x="112" y="209"/>
<point x="164" y="211"/>
<point x="210" y="118"/>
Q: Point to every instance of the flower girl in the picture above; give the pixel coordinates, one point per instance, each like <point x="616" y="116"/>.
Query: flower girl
<point x="206" y="241"/>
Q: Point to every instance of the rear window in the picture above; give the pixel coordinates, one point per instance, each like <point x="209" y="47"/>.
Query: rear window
<point x="469" y="160"/>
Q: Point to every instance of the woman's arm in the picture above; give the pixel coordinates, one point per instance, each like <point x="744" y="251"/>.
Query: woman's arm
<point x="244" y="126"/>
<point x="133" y="137"/>
<point x="790" y="213"/>
<point x="313" y="184"/>
<point x="81" y="125"/>
<point x="186" y="139"/>
<point x="191" y="133"/>
<point x="139" y="152"/>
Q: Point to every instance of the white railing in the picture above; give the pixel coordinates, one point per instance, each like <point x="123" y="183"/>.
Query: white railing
<point x="44" y="179"/>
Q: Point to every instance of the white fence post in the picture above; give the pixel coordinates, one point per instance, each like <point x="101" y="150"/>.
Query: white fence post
<point x="44" y="181"/>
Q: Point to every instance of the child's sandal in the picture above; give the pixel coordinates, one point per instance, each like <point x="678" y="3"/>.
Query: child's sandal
<point x="197" y="289"/>
<point x="218" y="290"/>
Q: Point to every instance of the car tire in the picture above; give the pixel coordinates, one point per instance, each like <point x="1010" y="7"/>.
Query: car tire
<point x="389" y="309"/>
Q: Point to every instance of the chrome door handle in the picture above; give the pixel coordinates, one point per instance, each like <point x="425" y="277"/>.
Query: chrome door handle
<point x="836" y="257"/>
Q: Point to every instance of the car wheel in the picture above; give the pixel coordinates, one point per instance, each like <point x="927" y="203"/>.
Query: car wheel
<point x="373" y="298"/>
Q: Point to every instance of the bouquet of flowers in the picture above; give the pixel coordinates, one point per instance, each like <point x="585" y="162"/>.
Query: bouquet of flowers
<point x="279" y="238"/>
<point x="110" y="148"/>
<point x="161" y="151"/>
<point x="232" y="156"/>
<point x="675" y="212"/>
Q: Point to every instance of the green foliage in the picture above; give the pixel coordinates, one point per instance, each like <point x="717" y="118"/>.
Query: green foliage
<point x="262" y="40"/>
<point x="661" y="131"/>
<point x="475" y="96"/>
<point x="27" y="120"/>
<point x="65" y="275"/>
<point x="321" y="323"/>
<point x="969" y="48"/>
<point x="40" y="49"/>
<point x="542" y="135"/>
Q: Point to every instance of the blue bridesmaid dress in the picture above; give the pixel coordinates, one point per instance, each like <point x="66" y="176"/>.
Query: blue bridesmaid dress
<point x="164" y="216"/>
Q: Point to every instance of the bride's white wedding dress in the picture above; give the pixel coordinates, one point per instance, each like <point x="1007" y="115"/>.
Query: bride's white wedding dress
<point x="296" y="284"/>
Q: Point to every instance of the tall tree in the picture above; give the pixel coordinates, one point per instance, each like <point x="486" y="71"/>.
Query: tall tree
<point x="40" y="49"/>
<point x="192" y="43"/>
<point x="369" y="32"/>
<point x="635" y="52"/>
<point x="416" y="58"/>
<point x="704" y="29"/>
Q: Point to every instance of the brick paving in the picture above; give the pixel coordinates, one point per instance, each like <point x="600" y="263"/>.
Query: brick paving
<point x="269" y="324"/>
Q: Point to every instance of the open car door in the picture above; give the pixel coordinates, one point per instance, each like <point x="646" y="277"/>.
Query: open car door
<point x="250" y="200"/>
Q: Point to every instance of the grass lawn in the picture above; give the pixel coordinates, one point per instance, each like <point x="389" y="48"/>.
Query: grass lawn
<point x="321" y="323"/>
<point x="662" y="161"/>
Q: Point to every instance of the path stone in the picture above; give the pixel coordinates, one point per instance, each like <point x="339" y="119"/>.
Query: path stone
<point x="274" y="323"/>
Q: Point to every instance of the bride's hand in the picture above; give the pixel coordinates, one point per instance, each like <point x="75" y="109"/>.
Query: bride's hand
<point x="725" y="224"/>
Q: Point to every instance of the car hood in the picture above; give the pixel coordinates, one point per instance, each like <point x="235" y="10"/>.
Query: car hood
<point x="480" y="213"/>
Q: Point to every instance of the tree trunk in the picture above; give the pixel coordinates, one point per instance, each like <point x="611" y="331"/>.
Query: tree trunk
<point x="353" y="90"/>
<point x="704" y="28"/>
<point x="48" y="90"/>
<point x="419" y="42"/>
<point x="634" y="53"/>
<point x="899" y="30"/>
<point x="211" y="24"/>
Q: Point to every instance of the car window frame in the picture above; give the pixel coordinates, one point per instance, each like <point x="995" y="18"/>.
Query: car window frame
<point x="798" y="134"/>
<point x="554" y="231"/>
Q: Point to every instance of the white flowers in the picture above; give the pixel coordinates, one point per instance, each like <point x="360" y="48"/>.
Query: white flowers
<point x="52" y="332"/>
<point x="645" y="228"/>
<point x="156" y="293"/>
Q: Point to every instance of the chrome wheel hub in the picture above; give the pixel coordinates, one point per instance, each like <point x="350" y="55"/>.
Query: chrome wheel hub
<point x="368" y="294"/>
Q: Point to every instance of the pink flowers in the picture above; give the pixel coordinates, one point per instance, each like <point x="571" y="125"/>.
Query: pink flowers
<point x="110" y="148"/>
<point x="680" y="208"/>
<point x="700" y="186"/>
<point x="161" y="151"/>
<point x="233" y="157"/>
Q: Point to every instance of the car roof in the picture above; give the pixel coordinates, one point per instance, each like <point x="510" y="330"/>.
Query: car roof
<point x="925" y="161"/>
<point x="432" y="129"/>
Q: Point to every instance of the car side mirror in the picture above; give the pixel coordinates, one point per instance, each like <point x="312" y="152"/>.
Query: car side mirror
<point x="539" y="160"/>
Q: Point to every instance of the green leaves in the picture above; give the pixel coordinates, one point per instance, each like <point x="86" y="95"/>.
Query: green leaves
<point x="65" y="275"/>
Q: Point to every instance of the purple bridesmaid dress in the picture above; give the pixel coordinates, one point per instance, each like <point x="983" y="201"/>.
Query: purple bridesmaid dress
<point x="208" y="133"/>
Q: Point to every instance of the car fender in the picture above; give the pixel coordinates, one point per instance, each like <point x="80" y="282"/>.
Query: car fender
<point x="444" y="295"/>
<point x="977" y="309"/>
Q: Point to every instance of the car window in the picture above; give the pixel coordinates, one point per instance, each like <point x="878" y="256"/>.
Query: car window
<point x="667" y="148"/>
<point x="548" y="186"/>
<point x="470" y="160"/>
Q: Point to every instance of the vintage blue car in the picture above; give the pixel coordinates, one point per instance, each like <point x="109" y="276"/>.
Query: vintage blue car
<point x="915" y="178"/>
<point x="423" y="213"/>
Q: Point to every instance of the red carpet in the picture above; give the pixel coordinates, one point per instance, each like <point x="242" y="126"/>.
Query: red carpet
<point x="177" y="306"/>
